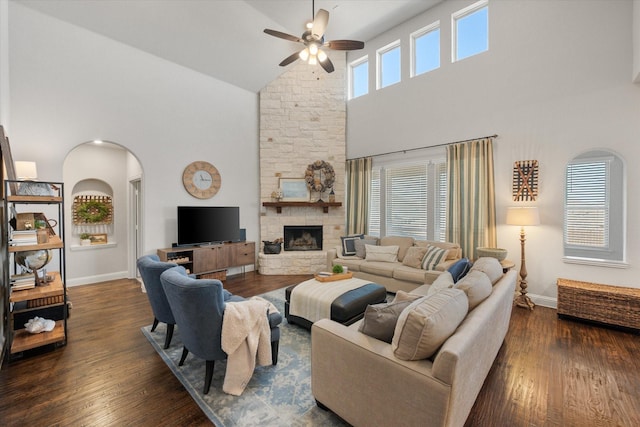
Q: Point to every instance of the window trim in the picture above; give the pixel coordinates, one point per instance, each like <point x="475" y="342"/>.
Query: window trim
<point x="614" y="254"/>
<point x="350" y="82"/>
<point x="379" y="53"/>
<point x="454" y="27"/>
<point x="416" y="35"/>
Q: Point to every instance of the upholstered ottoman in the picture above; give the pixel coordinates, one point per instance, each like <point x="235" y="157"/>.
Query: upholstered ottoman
<point x="346" y="308"/>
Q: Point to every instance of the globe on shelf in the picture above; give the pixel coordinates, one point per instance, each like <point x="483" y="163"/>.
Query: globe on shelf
<point x="32" y="261"/>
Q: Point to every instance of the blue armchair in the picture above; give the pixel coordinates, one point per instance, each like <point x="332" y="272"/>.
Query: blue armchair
<point x="150" y="268"/>
<point x="198" y="306"/>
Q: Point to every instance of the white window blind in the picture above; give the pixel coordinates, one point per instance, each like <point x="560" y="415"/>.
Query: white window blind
<point x="374" y="204"/>
<point x="587" y="204"/>
<point x="594" y="210"/>
<point x="406" y="208"/>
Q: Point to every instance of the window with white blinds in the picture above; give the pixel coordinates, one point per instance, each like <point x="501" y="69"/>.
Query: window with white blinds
<point x="594" y="207"/>
<point x="409" y="200"/>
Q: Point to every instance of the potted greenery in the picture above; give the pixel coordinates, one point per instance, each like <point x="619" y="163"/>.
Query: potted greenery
<point x="85" y="239"/>
<point x="338" y="269"/>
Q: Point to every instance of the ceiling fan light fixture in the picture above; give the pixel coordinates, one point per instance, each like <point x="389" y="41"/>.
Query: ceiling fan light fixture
<point x="322" y="56"/>
<point x="313" y="60"/>
<point x="304" y="54"/>
<point x="313" y="49"/>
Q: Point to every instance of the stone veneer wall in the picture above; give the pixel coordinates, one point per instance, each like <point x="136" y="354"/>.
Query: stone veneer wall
<point x="302" y="119"/>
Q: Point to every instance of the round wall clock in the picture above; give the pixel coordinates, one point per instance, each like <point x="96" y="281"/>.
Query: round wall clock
<point x="201" y="180"/>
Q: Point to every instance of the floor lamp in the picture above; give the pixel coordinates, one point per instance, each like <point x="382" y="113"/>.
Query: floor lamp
<point x="523" y="216"/>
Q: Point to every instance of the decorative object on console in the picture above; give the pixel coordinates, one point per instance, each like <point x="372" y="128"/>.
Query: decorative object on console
<point x="525" y="180"/>
<point x="523" y="216"/>
<point x="201" y="179"/>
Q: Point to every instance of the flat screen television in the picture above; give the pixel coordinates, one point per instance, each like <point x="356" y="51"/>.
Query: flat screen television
<point x="198" y="225"/>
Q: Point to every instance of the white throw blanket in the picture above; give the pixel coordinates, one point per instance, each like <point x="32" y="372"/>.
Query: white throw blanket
<point x="246" y="337"/>
<point x="312" y="300"/>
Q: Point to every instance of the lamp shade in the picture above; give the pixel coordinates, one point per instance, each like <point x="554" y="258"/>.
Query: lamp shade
<point x="523" y="216"/>
<point x="26" y="170"/>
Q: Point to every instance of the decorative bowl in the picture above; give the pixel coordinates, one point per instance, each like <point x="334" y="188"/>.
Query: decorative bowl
<point x="497" y="253"/>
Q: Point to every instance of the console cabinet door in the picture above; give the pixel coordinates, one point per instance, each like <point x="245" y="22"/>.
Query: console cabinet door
<point x="205" y="259"/>
<point x="245" y="253"/>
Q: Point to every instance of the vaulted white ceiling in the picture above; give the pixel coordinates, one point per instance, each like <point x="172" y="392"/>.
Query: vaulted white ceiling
<point x="224" y="38"/>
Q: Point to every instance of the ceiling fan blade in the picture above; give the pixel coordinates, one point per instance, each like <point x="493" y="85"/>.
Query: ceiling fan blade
<point x="344" y="45"/>
<point x="289" y="59"/>
<point x="282" y="35"/>
<point x="327" y="65"/>
<point x="320" y="23"/>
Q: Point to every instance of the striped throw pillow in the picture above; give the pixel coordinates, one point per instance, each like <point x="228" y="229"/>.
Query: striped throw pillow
<point x="433" y="257"/>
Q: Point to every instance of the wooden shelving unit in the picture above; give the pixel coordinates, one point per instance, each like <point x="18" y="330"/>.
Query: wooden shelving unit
<point x="324" y="205"/>
<point x="48" y="300"/>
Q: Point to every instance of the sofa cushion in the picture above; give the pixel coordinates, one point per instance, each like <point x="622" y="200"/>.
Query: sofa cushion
<point x="413" y="257"/>
<point x="490" y="266"/>
<point x="380" y="320"/>
<point x="403" y="243"/>
<point x="379" y="268"/>
<point x="409" y="274"/>
<point x="454" y="251"/>
<point x="353" y="263"/>
<point x="444" y="281"/>
<point x="348" y="244"/>
<point x="382" y="253"/>
<point x="361" y="250"/>
<point x="405" y="296"/>
<point x="427" y="323"/>
<point x="459" y="268"/>
<point x="477" y="286"/>
<point x="433" y="257"/>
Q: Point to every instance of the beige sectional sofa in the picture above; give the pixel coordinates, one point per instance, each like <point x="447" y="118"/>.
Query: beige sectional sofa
<point x="363" y="380"/>
<point x="396" y="275"/>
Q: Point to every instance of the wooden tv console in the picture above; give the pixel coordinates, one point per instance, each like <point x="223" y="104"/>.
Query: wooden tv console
<point x="210" y="261"/>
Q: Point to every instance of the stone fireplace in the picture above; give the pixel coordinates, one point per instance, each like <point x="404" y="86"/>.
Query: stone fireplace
<point x="302" y="120"/>
<point x="302" y="237"/>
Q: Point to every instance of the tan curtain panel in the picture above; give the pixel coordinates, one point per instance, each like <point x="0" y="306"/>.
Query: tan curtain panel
<point x="471" y="216"/>
<point x="358" y="175"/>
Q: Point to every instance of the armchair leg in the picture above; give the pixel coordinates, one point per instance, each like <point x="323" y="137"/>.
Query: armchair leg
<point x="167" y="340"/>
<point x="274" y="352"/>
<point x="155" y="324"/>
<point x="184" y="356"/>
<point x="208" y="375"/>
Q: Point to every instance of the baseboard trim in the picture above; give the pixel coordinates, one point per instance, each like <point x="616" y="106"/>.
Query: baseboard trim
<point x="544" y="301"/>
<point x="97" y="278"/>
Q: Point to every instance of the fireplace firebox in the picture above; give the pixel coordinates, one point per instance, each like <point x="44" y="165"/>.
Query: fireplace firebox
<point x="302" y="237"/>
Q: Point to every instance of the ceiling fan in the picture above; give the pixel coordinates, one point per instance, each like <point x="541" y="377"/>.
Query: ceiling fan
<point x="313" y="41"/>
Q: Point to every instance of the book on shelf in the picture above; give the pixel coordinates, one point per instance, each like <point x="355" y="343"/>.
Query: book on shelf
<point x="23" y="285"/>
<point x="26" y="237"/>
<point x="22" y="281"/>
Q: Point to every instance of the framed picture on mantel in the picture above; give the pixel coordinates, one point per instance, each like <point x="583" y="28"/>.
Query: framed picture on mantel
<point x="294" y="190"/>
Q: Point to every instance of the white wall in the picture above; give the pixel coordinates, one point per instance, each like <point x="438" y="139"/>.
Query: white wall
<point x="555" y="83"/>
<point x="69" y="86"/>
<point x="636" y="41"/>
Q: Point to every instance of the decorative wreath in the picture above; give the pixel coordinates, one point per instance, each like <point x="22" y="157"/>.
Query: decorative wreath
<point x="320" y="176"/>
<point x="93" y="211"/>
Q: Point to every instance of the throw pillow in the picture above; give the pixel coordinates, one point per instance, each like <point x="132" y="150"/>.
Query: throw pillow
<point x="413" y="257"/>
<point x="380" y="320"/>
<point x="444" y="281"/>
<point x="477" y="286"/>
<point x="433" y="257"/>
<point x="459" y="268"/>
<point x="405" y="296"/>
<point x="490" y="266"/>
<point x="349" y="245"/>
<point x="361" y="251"/>
<point x="382" y="253"/>
<point x="427" y="323"/>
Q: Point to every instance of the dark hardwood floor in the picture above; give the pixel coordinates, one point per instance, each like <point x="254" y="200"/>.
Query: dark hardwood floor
<point x="549" y="372"/>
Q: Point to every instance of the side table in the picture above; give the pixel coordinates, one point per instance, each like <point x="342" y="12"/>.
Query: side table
<point x="507" y="265"/>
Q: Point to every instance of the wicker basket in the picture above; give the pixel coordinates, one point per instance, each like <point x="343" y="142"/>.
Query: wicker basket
<point x="612" y="305"/>
<point x="220" y="275"/>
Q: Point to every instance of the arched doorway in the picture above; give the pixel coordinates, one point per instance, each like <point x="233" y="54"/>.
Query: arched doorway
<point x="101" y="176"/>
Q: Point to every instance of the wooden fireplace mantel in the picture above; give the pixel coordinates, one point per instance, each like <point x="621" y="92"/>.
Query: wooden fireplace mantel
<point x="279" y="205"/>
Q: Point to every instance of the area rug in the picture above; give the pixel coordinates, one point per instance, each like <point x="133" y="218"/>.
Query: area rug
<point x="276" y="395"/>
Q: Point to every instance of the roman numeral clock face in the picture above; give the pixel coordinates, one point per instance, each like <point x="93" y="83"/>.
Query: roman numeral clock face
<point x="201" y="180"/>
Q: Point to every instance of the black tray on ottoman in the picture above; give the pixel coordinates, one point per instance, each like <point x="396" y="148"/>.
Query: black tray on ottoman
<point x="348" y="308"/>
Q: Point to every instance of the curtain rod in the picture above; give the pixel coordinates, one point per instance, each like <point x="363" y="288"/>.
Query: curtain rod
<point x="422" y="148"/>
